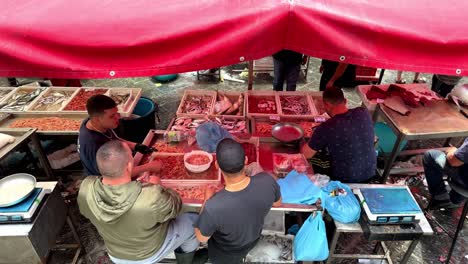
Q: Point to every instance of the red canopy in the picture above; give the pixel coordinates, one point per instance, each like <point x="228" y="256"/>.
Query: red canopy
<point x="124" y="38"/>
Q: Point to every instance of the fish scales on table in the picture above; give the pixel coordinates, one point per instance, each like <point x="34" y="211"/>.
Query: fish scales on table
<point x="197" y="104"/>
<point x="53" y="101"/>
<point x="21" y="99"/>
<point x="294" y="105"/>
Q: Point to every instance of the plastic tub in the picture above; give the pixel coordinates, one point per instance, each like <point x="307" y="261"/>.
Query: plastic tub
<point x="144" y="119"/>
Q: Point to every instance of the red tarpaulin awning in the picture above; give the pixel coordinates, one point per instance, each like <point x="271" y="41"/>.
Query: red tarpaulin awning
<point x="125" y="38"/>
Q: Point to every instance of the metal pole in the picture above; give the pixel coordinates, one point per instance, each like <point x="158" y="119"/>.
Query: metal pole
<point x="382" y="72"/>
<point x="250" y="75"/>
<point x="409" y="252"/>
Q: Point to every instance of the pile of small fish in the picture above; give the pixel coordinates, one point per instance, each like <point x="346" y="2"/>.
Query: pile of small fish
<point x="233" y="126"/>
<point x="21" y="99"/>
<point x="197" y="104"/>
<point x="186" y="124"/>
<point x="78" y="103"/>
<point x="262" y="104"/>
<point x="47" y="124"/>
<point x="294" y="105"/>
<point x="53" y="101"/>
<point x="120" y="98"/>
<point x="224" y="105"/>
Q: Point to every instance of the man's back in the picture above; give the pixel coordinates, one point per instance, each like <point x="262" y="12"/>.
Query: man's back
<point x="234" y="220"/>
<point x="349" y="138"/>
<point x="131" y="218"/>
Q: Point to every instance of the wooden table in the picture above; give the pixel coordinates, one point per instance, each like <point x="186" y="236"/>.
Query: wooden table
<point x="438" y="119"/>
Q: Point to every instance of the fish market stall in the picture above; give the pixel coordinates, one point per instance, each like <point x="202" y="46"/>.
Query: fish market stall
<point x="46" y="124"/>
<point x="20" y="99"/>
<point x="20" y="137"/>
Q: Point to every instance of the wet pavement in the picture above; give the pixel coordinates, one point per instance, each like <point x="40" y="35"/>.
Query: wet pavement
<point x="431" y="249"/>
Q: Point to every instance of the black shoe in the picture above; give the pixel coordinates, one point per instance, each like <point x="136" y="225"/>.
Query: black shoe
<point x="195" y="257"/>
<point x="201" y="256"/>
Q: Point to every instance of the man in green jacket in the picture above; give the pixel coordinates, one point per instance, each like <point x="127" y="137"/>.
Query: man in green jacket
<point x="139" y="222"/>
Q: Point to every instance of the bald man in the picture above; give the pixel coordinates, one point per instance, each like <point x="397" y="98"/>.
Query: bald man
<point x="140" y="223"/>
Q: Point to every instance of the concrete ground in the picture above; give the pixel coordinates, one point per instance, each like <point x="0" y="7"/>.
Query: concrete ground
<point x="430" y="250"/>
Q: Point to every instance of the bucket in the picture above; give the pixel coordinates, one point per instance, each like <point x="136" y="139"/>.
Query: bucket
<point x="387" y="138"/>
<point x="143" y="121"/>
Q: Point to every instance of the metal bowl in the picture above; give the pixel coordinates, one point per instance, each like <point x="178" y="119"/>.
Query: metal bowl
<point x="287" y="132"/>
<point x="15" y="188"/>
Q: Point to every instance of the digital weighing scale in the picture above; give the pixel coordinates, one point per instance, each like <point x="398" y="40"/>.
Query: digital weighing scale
<point x="383" y="206"/>
<point x="24" y="211"/>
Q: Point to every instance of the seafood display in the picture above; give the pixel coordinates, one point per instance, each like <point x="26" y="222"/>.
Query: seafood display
<point x="167" y="147"/>
<point x="284" y="163"/>
<point x="120" y="98"/>
<point x="187" y="124"/>
<point x="173" y="168"/>
<point x="47" y="124"/>
<point x="198" y="159"/>
<point x="78" y="103"/>
<point x="52" y="101"/>
<point x="194" y="192"/>
<point x="233" y="126"/>
<point x="263" y="129"/>
<point x="21" y="99"/>
<point x="294" y="105"/>
<point x="318" y="103"/>
<point x="262" y="105"/>
<point x="226" y="106"/>
<point x="250" y="152"/>
<point x="197" y="104"/>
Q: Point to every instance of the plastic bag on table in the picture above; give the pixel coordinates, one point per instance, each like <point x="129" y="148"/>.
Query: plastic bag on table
<point x="298" y="188"/>
<point x="310" y="243"/>
<point x="209" y="135"/>
<point x="339" y="200"/>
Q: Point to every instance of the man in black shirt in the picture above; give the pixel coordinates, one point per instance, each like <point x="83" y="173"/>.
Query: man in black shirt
<point x="232" y="220"/>
<point x="287" y="65"/>
<point x="97" y="129"/>
<point x="337" y="74"/>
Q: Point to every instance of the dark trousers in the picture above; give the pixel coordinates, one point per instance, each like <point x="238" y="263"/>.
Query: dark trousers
<point x="440" y="87"/>
<point x="288" y="72"/>
<point x="435" y="166"/>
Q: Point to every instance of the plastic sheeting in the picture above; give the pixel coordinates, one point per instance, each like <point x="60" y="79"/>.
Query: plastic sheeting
<point x="123" y="38"/>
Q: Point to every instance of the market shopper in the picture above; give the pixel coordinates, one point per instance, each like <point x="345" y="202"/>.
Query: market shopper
<point x="337" y="74"/>
<point x="232" y="219"/>
<point x="287" y="66"/>
<point x="454" y="164"/>
<point x="443" y="84"/>
<point x="140" y="223"/>
<point x="348" y="136"/>
<point x="97" y="129"/>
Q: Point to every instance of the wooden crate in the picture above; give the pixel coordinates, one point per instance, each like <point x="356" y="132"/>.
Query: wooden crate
<point x="258" y="94"/>
<point x="6" y="92"/>
<point x="233" y="96"/>
<point x="49" y="91"/>
<point x="126" y="109"/>
<point x="187" y="93"/>
<point x="268" y="137"/>
<point x="310" y="105"/>
<point x="19" y="89"/>
<point x="65" y="110"/>
<point x="317" y="103"/>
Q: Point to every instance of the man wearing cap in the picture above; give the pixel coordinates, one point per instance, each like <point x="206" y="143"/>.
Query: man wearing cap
<point x="232" y="219"/>
<point x="98" y="129"/>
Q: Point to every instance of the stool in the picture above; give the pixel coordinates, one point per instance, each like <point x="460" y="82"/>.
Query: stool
<point x="463" y="192"/>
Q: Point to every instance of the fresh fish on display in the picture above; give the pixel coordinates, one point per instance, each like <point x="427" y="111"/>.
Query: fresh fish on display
<point x="21" y="99"/>
<point x="294" y="105"/>
<point x="4" y="93"/>
<point x="233" y="126"/>
<point x="52" y="101"/>
<point x="120" y="99"/>
<point x="195" y="104"/>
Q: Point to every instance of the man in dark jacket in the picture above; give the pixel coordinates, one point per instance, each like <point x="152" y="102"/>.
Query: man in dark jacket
<point x="287" y="65"/>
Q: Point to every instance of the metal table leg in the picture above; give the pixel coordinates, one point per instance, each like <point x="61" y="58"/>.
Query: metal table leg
<point x="42" y="157"/>
<point x="409" y="252"/>
<point x="336" y="235"/>
<point x="389" y="163"/>
<point x="382" y="72"/>
<point x="250" y="75"/>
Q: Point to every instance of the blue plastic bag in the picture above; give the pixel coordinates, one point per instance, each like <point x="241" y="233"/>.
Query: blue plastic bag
<point x="299" y="189"/>
<point x="310" y="243"/>
<point x="209" y="135"/>
<point x="343" y="208"/>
